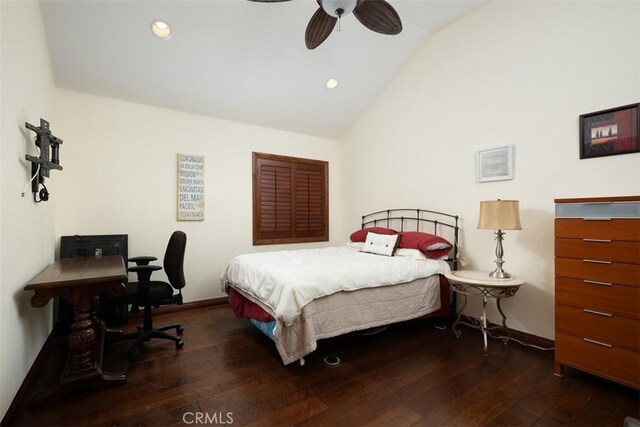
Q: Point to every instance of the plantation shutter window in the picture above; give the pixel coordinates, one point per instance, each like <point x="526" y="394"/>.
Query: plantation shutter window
<point x="290" y="200"/>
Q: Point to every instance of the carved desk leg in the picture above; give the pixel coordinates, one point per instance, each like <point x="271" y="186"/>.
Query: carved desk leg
<point x="86" y="347"/>
<point x="80" y="342"/>
<point x="83" y="368"/>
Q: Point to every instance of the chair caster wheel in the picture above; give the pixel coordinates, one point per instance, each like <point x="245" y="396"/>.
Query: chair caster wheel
<point x="179" y="330"/>
<point x="179" y="344"/>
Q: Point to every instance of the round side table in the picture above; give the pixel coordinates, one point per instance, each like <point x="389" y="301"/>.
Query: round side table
<point x="479" y="283"/>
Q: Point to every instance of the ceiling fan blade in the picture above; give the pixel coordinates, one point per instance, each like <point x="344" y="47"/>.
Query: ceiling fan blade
<point x="378" y="16"/>
<point x="319" y="28"/>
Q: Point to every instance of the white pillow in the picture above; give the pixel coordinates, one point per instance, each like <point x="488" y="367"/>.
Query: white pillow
<point x="355" y="245"/>
<point x="380" y="244"/>
<point x="436" y="246"/>
<point x="411" y="253"/>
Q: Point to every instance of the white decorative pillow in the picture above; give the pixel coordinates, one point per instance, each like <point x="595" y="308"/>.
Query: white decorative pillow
<point x="380" y="244"/>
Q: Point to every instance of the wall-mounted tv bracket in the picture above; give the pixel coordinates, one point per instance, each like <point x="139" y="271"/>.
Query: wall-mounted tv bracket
<point x="40" y="166"/>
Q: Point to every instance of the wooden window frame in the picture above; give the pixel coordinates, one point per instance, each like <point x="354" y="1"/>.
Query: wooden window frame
<point x="257" y="161"/>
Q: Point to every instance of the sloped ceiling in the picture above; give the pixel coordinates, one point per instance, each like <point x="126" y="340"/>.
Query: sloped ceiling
<point x="236" y="59"/>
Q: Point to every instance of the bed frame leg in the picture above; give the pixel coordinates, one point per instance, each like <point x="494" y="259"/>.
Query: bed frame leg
<point x="331" y="357"/>
<point x="332" y="360"/>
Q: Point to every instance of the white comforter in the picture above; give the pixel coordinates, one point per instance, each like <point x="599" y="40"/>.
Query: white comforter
<point x="286" y="281"/>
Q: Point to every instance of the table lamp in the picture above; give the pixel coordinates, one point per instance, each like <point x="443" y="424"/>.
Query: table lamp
<point x="499" y="215"/>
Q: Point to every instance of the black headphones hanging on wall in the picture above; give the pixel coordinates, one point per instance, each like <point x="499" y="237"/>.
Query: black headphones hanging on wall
<point x="44" y="194"/>
<point x="41" y="165"/>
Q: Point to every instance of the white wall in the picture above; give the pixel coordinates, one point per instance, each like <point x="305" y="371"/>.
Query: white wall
<point x="120" y="177"/>
<point x="26" y="228"/>
<point x="510" y="73"/>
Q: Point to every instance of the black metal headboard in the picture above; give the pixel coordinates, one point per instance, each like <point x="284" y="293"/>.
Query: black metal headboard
<point x="419" y="220"/>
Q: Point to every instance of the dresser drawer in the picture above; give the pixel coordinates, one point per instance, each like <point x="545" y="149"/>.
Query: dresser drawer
<point x="615" y="272"/>
<point x="599" y="249"/>
<point x="600" y="326"/>
<point x="599" y="209"/>
<point x="614" y="229"/>
<point x="616" y="299"/>
<point x="613" y="363"/>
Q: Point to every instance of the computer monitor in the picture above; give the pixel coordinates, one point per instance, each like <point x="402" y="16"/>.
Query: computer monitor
<point x="94" y="245"/>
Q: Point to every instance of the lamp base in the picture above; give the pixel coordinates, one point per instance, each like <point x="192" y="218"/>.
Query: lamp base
<point x="496" y="274"/>
<point x="499" y="273"/>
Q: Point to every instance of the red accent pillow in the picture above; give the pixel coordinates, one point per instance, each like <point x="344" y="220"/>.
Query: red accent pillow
<point x="361" y="235"/>
<point x="431" y="245"/>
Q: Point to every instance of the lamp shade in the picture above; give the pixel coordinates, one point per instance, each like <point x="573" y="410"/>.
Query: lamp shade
<point x="500" y="215"/>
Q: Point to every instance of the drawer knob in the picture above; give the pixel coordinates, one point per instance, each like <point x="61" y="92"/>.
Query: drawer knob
<point x="599" y="313"/>
<point x="593" y="282"/>
<point x="597" y="342"/>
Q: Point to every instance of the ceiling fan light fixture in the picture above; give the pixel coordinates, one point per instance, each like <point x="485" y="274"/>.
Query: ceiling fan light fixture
<point x="161" y="29"/>
<point x="376" y="15"/>
<point x="344" y="6"/>
<point x="332" y="84"/>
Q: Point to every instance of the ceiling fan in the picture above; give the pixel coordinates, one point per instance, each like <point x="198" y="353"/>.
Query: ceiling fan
<point x="376" y="15"/>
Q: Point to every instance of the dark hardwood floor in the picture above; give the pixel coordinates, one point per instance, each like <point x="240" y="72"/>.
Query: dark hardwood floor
<point x="410" y="374"/>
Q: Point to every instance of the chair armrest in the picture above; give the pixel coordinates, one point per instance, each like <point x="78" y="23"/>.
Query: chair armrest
<point x="142" y="260"/>
<point x="144" y="271"/>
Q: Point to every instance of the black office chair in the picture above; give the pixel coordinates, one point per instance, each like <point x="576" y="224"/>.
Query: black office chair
<point x="147" y="293"/>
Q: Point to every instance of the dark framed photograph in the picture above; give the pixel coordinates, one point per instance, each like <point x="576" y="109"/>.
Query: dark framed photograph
<point x="610" y="132"/>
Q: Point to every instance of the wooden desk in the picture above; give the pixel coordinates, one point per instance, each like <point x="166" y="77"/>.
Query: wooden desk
<point x="78" y="280"/>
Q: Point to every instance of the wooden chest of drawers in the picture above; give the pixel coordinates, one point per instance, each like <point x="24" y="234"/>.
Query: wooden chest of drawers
<point x="597" y="269"/>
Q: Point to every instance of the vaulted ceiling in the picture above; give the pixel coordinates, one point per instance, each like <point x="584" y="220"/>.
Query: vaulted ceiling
<point x="236" y="59"/>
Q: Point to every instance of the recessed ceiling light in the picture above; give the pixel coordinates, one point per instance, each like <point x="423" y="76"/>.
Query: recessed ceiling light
<point x="332" y="84"/>
<point x="161" y="29"/>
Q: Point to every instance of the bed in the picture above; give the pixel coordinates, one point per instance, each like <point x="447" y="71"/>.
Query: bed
<point x="299" y="297"/>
